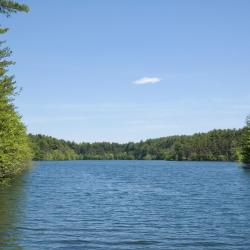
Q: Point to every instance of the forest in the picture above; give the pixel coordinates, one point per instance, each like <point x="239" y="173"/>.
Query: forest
<point x="216" y="145"/>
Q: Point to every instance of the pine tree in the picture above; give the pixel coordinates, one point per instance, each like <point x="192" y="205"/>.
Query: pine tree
<point x="9" y="7"/>
<point x="14" y="144"/>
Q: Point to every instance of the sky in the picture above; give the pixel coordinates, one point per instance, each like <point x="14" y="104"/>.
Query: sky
<point x="113" y="70"/>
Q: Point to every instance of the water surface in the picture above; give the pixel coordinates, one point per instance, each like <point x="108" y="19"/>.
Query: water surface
<point x="127" y="205"/>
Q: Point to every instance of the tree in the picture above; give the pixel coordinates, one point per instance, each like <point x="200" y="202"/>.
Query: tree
<point x="9" y="7"/>
<point x="245" y="147"/>
<point x="248" y="121"/>
<point x="14" y="144"/>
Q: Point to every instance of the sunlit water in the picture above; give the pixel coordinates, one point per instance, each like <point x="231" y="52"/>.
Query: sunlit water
<point x="127" y="205"/>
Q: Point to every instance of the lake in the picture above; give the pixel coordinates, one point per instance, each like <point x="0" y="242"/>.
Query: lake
<point x="127" y="205"/>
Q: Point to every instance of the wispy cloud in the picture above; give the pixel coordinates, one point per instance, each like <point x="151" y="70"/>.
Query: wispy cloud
<point x="147" y="80"/>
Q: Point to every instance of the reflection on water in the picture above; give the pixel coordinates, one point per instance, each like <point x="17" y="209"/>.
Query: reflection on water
<point x="11" y="213"/>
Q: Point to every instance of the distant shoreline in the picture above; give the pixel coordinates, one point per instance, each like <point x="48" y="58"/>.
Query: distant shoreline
<point x="215" y="145"/>
<point x="138" y="160"/>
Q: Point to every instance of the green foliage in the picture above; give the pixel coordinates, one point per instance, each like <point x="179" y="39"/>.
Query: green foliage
<point x="15" y="149"/>
<point x="48" y="148"/>
<point x="216" y="145"/>
<point x="14" y="144"/>
<point x="9" y="7"/>
<point x="245" y="144"/>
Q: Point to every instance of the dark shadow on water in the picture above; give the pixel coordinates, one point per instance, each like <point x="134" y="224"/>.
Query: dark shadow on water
<point x="245" y="168"/>
<point x="11" y="213"/>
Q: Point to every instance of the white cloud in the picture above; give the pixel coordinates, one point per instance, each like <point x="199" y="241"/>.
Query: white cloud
<point x="147" y="80"/>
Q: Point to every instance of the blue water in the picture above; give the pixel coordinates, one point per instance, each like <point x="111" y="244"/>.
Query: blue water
<point x="127" y="205"/>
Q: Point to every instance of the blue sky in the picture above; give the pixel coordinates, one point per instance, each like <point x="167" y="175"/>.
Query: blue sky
<point x="82" y="65"/>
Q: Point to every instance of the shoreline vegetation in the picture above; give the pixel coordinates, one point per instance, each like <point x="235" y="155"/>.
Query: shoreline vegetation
<point x="244" y="156"/>
<point x="216" y="145"/>
<point x="15" y="150"/>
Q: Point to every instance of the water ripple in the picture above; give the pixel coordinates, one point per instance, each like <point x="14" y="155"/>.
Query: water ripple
<point x="127" y="205"/>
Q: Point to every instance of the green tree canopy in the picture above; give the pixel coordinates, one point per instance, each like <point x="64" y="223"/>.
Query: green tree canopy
<point x="212" y="146"/>
<point x="14" y="144"/>
<point x="245" y="147"/>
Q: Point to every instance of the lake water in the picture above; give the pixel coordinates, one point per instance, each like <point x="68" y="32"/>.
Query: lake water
<point x="127" y="205"/>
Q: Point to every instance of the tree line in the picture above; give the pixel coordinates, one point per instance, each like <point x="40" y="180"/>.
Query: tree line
<point x="216" y="145"/>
